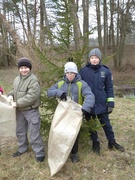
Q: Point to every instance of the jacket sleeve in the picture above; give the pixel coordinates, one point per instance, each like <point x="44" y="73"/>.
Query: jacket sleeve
<point x="109" y="90"/>
<point x="54" y="91"/>
<point x="89" y="98"/>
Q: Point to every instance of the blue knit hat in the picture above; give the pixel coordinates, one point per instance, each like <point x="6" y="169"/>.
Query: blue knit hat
<point x="95" y="52"/>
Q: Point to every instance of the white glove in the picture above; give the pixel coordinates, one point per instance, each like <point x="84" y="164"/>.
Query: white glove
<point x="13" y="104"/>
<point x="10" y="99"/>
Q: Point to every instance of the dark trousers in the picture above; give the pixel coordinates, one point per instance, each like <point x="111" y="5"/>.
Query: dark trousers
<point x="107" y="127"/>
<point x="75" y="146"/>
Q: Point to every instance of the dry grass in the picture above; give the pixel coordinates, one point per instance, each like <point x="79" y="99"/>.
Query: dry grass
<point x="109" y="165"/>
<point x="6" y="78"/>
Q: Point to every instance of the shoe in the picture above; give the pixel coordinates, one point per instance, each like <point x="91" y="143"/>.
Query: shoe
<point x="96" y="147"/>
<point x="75" y="158"/>
<point x="18" y="153"/>
<point x="40" y="159"/>
<point x="113" y="145"/>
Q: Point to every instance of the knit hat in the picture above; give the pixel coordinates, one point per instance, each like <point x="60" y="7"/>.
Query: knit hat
<point x="24" y="62"/>
<point x="95" y="52"/>
<point x="70" y="67"/>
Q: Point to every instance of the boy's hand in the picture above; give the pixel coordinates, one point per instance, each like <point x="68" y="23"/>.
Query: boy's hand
<point x="63" y="97"/>
<point x="10" y="99"/>
<point x="86" y="115"/>
<point x="84" y="112"/>
<point x="110" y="109"/>
<point x="13" y="104"/>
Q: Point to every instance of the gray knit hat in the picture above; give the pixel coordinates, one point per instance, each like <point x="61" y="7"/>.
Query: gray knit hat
<point x="24" y="62"/>
<point x="70" y="67"/>
<point x="95" y="52"/>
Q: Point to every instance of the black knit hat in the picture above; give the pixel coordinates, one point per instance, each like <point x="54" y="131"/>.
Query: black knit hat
<point x="24" y="62"/>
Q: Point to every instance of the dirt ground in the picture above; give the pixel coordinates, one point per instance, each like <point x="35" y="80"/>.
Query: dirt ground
<point x="125" y="77"/>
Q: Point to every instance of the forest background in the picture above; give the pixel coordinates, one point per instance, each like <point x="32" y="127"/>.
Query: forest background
<point x="51" y="32"/>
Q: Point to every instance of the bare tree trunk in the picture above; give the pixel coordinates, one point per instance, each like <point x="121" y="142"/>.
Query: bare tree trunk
<point x="13" y="34"/>
<point x="28" y="19"/>
<point x="4" y="39"/>
<point x="26" y="51"/>
<point x="49" y="33"/>
<point x="21" y="20"/>
<point x="76" y="27"/>
<point x="42" y="35"/>
<point x="117" y="37"/>
<point x="35" y="19"/>
<point x="123" y="20"/>
<point x="86" y="25"/>
<point x="105" y="28"/>
<point x="112" y="35"/>
<point x="99" y="22"/>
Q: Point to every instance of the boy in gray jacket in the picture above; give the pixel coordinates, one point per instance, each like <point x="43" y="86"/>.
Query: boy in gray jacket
<point x="76" y="89"/>
<point x="26" y="94"/>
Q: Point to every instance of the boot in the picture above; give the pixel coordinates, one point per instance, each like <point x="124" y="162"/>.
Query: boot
<point x="96" y="147"/>
<point x="40" y="159"/>
<point x="18" y="153"/>
<point x="75" y="158"/>
<point x="113" y="145"/>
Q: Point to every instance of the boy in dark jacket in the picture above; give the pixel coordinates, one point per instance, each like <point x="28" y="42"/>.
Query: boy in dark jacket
<point x="99" y="78"/>
<point x="70" y="88"/>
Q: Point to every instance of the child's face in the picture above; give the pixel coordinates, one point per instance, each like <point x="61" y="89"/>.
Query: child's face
<point x="70" y="76"/>
<point x="94" y="60"/>
<point x="24" y="70"/>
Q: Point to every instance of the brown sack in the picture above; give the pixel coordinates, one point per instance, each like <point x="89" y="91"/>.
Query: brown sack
<point x="7" y="121"/>
<point x="65" y="127"/>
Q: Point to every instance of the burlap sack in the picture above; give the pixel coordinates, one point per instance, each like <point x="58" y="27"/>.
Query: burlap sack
<point x="7" y="121"/>
<point x="64" y="129"/>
